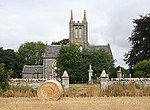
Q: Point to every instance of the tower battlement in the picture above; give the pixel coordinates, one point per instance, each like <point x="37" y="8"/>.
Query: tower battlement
<point x="78" y="31"/>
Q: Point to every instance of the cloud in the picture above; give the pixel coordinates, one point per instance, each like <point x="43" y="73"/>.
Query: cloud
<point x="47" y="20"/>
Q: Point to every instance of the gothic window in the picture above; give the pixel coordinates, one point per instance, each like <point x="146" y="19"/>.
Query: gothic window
<point x="76" y="32"/>
<point x="80" y="32"/>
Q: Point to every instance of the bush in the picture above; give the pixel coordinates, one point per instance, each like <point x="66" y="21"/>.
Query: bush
<point x="142" y="69"/>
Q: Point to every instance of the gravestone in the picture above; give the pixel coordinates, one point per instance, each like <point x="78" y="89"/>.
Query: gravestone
<point x="65" y="80"/>
<point x="90" y="81"/>
<point x="119" y="73"/>
<point x="104" y="79"/>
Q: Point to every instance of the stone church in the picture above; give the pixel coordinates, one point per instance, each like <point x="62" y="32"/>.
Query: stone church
<point x="78" y="34"/>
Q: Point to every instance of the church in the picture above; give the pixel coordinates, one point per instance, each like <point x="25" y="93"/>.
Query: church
<point x="78" y="34"/>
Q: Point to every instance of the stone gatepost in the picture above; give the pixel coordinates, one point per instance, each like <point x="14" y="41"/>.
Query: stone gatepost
<point x="104" y="79"/>
<point x="90" y="81"/>
<point x="65" y="80"/>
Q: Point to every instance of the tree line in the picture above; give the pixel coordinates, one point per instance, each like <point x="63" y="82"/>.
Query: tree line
<point x="77" y="62"/>
<point x="29" y="53"/>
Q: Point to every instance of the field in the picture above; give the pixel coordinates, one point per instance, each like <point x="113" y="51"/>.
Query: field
<point x="79" y="97"/>
<point x="74" y="103"/>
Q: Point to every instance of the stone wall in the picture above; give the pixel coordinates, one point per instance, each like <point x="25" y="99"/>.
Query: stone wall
<point x="34" y="76"/>
<point x="48" y="68"/>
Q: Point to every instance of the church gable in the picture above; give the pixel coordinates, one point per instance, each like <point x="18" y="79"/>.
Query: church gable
<point x="52" y="51"/>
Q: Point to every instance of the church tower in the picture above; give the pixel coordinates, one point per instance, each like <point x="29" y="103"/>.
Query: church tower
<point x="78" y="31"/>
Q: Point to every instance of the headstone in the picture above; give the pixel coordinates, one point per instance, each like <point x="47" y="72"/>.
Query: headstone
<point x="119" y="73"/>
<point x="65" y="80"/>
<point x="104" y="78"/>
<point x="90" y="81"/>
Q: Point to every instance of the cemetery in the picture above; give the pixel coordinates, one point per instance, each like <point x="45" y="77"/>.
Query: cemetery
<point x="74" y="74"/>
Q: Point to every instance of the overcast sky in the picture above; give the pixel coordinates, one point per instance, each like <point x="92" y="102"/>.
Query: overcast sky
<point x="109" y="21"/>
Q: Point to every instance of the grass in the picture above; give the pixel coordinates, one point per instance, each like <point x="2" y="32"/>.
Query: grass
<point x="84" y="90"/>
<point x="77" y="103"/>
<point x="18" y="91"/>
<point x="79" y="97"/>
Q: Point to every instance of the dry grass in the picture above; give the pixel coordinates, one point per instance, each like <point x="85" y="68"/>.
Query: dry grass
<point x="80" y="97"/>
<point x="19" y="91"/>
<point x="80" y="103"/>
<point x="83" y="90"/>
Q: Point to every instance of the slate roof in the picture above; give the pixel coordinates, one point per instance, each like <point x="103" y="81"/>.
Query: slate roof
<point x="104" y="47"/>
<point x="29" y="69"/>
<point x="52" y="51"/>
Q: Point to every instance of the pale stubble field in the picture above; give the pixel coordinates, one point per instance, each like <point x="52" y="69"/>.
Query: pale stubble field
<point x="76" y="103"/>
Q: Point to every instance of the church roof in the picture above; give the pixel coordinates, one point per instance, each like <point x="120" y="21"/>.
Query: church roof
<point x="104" y="47"/>
<point x="32" y="69"/>
<point x="52" y="51"/>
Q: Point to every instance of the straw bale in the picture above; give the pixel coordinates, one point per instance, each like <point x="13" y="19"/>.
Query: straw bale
<point x="50" y="90"/>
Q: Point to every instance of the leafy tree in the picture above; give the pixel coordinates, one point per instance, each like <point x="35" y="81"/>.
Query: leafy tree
<point x="142" y="69"/>
<point x="62" y="42"/>
<point x="3" y="78"/>
<point x="31" y="53"/>
<point x="68" y="60"/>
<point x="9" y="58"/>
<point x="140" y="41"/>
<point x="77" y="63"/>
<point x="2" y="55"/>
<point x="11" y="73"/>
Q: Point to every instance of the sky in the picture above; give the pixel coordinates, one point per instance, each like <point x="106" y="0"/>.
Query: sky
<point x="109" y="21"/>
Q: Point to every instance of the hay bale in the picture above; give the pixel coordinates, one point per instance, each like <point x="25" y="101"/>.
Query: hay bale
<point x="50" y="90"/>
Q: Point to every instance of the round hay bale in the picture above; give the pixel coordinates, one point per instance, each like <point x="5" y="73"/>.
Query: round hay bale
<point x="50" y="90"/>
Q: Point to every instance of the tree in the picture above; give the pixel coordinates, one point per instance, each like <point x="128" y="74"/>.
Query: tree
<point x="62" y="42"/>
<point x="142" y="69"/>
<point x="31" y="53"/>
<point x="1" y="55"/>
<point x="140" y="41"/>
<point x="68" y="60"/>
<point x="77" y="63"/>
<point x="9" y="58"/>
<point x="3" y="78"/>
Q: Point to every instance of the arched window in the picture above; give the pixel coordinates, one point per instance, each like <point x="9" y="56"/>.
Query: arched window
<point x="76" y="32"/>
<point x="80" y="32"/>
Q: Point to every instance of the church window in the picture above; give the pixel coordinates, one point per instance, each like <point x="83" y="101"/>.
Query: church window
<point x="80" y="32"/>
<point x="76" y="32"/>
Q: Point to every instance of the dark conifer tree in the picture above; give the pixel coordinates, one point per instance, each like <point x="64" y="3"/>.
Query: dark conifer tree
<point x="140" y="41"/>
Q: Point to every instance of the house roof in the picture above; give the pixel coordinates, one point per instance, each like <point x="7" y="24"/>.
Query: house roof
<point x="32" y="69"/>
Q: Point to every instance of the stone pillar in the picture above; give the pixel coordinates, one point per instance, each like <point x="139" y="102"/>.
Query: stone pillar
<point x="90" y="81"/>
<point x="104" y="80"/>
<point x="65" y="80"/>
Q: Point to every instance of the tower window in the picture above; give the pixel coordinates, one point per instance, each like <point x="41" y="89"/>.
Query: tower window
<point x="80" y="32"/>
<point x="76" y="32"/>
